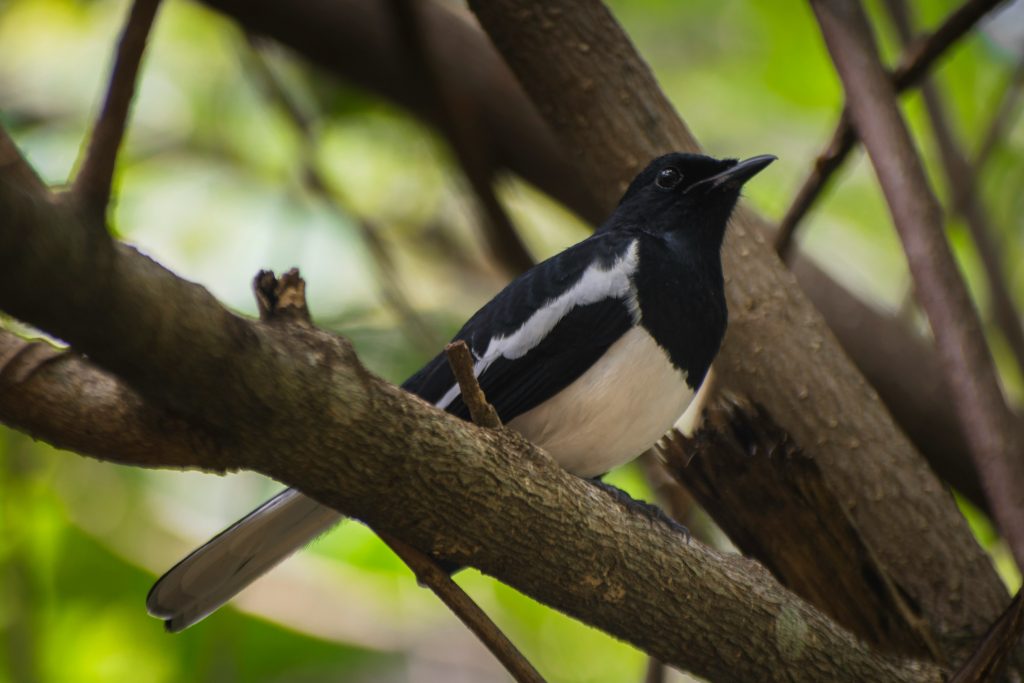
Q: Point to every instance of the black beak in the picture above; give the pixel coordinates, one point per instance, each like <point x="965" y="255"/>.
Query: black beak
<point x="734" y="177"/>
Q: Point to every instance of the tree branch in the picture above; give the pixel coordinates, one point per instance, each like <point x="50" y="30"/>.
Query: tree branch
<point x="428" y="573"/>
<point x="459" y="123"/>
<point x="991" y="433"/>
<point x="917" y="60"/>
<point x="91" y="187"/>
<point x="61" y="397"/>
<point x="294" y="403"/>
<point x="961" y="179"/>
<point x="777" y="352"/>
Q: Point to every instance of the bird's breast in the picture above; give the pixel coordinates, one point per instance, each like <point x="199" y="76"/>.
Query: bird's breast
<point x="614" y="411"/>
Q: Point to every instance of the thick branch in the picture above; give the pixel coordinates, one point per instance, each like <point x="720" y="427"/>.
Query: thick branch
<point x="91" y="187"/>
<point x="904" y="369"/>
<point x="778" y="352"/>
<point x="294" y="403"/>
<point x="61" y="397"/>
<point x="992" y="435"/>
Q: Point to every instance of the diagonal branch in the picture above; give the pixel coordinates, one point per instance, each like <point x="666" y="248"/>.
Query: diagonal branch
<point x="988" y="661"/>
<point x="91" y="187"/>
<point x="918" y="59"/>
<point x="460" y="126"/>
<point x="61" y="397"/>
<point x="993" y="438"/>
<point x="461" y="362"/>
<point x="430" y="574"/>
<point x="962" y="181"/>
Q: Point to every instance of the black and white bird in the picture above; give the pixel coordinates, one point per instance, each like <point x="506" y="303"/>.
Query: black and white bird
<point x="592" y="355"/>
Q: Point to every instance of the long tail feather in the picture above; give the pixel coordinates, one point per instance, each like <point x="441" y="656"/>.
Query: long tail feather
<point x="220" y="569"/>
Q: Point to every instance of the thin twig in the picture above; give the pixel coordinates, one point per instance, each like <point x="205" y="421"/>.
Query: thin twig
<point x="461" y="362"/>
<point x="825" y="165"/>
<point x="92" y="185"/>
<point x="916" y="61"/>
<point x="961" y="178"/>
<point x="992" y="434"/>
<point x="429" y="574"/>
<point x="459" y="125"/>
<point x="417" y="330"/>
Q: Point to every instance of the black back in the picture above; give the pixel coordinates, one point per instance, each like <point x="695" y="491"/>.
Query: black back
<point x="678" y="229"/>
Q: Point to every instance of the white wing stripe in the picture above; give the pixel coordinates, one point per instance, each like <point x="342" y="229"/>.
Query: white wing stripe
<point x="596" y="284"/>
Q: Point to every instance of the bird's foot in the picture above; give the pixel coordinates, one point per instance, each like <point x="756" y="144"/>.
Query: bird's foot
<point x="651" y="511"/>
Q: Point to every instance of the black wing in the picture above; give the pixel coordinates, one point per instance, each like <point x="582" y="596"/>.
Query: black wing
<point x="577" y="340"/>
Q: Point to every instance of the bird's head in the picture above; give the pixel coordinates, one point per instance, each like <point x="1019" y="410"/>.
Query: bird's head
<point x="691" y="195"/>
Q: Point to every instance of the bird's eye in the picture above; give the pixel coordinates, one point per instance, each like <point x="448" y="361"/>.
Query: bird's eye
<point x="668" y="178"/>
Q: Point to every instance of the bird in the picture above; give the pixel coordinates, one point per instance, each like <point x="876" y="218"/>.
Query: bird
<point x="592" y="355"/>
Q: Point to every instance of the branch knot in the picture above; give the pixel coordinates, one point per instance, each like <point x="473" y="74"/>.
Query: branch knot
<point x="281" y="299"/>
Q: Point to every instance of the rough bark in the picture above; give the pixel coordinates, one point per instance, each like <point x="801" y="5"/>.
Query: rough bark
<point x="603" y="102"/>
<point x="293" y="402"/>
<point x="916" y="395"/>
<point x="354" y="39"/>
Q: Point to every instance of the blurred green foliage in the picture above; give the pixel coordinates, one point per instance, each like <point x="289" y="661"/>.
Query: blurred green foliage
<point x="210" y="184"/>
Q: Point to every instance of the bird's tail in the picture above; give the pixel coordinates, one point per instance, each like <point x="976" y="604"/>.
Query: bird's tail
<point x="220" y="569"/>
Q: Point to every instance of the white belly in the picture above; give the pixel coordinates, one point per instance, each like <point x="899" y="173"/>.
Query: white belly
<point x="613" y="412"/>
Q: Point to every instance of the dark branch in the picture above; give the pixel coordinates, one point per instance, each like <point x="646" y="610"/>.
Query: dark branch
<point x="993" y="437"/>
<point x="962" y="181"/>
<point x="459" y="123"/>
<point x="430" y="574"/>
<point x="61" y="397"/>
<point x="92" y="185"/>
<point x="916" y="61"/>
